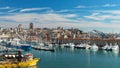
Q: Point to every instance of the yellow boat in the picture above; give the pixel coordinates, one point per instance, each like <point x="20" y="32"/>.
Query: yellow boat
<point x="10" y="61"/>
<point x="28" y="63"/>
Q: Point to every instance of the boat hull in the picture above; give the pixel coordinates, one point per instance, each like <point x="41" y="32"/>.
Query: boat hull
<point x="28" y="63"/>
<point x="25" y="47"/>
<point x="22" y="46"/>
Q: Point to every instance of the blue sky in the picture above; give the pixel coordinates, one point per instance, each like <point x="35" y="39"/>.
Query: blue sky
<point x="87" y="15"/>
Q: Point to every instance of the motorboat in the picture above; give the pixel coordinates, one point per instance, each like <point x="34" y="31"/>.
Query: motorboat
<point x="105" y="47"/>
<point x="115" y="47"/>
<point x="94" y="47"/>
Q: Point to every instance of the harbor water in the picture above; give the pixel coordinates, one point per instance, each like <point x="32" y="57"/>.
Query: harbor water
<point x="77" y="58"/>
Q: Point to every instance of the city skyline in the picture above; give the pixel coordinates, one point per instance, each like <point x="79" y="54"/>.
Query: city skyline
<point x="86" y="15"/>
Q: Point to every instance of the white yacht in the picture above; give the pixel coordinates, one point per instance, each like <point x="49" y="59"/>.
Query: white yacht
<point x="80" y="46"/>
<point x="94" y="47"/>
<point x="115" y="47"/>
<point x="72" y="45"/>
<point x="83" y="46"/>
<point x="109" y="48"/>
<point x="66" y="45"/>
<point x="105" y="47"/>
<point x="87" y="46"/>
<point x="41" y="44"/>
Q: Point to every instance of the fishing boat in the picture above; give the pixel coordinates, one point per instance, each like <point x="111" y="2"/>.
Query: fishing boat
<point x="17" y="60"/>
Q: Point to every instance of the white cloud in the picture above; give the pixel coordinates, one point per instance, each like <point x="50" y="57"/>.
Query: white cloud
<point x="80" y="6"/>
<point x="40" y="20"/>
<point x="98" y="16"/>
<point x="44" y="18"/>
<point x="63" y="10"/>
<point x="52" y="20"/>
<point x="50" y="11"/>
<point x="101" y="15"/>
<point x="96" y="6"/>
<point x="7" y="7"/>
<point x="33" y="9"/>
<point x="86" y="6"/>
<point x="13" y="10"/>
<point x="49" y="18"/>
<point x="110" y="5"/>
<point x="70" y="15"/>
<point x="109" y="11"/>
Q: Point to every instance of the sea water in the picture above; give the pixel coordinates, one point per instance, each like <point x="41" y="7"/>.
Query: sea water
<point x="77" y="58"/>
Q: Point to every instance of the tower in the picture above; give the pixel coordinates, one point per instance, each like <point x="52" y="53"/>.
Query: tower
<point x="19" y="27"/>
<point x="31" y="26"/>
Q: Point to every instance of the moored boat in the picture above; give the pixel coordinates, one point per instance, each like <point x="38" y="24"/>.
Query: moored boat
<point x="72" y="45"/>
<point x="67" y="45"/>
<point x="105" y="47"/>
<point x="94" y="47"/>
<point x="43" y="48"/>
<point x="82" y="46"/>
<point x="87" y="46"/>
<point x="17" y="60"/>
<point x="15" y="43"/>
<point x="25" y="46"/>
<point x="115" y="47"/>
<point x="109" y="48"/>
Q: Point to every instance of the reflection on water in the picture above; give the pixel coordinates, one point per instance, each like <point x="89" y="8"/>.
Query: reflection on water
<point x="113" y="53"/>
<point x="88" y="58"/>
<point x="32" y="67"/>
<point x="72" y="49"/>
<point x="116" y="53"/>
<point x="77" y="58"/>
<point x="88" y="51"/>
